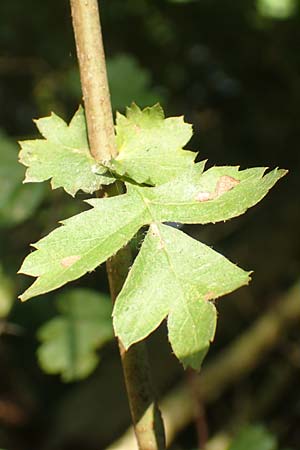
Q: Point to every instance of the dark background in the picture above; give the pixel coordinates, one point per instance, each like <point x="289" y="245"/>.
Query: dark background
<point x="233" y="69"/>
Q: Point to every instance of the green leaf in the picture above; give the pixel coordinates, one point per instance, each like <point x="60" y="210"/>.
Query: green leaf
<point x="63" y="156"/>
<point x="177" y="276"/>
<point x="88" y="239"/>
<point x="150" y="146"/>
<point x="254" y="437"/>
<point x="83" y="243"/>
<point x="17" y="202"/>
<point x="70" y="340"/>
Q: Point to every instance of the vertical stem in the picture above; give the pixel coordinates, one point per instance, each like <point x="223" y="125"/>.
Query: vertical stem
<point x="90" y="52"/>
<point x="199" y="409"/>
<point x="145" y="413"/>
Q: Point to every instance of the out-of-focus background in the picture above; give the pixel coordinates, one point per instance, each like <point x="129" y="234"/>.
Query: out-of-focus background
<point x="232" y="67"/>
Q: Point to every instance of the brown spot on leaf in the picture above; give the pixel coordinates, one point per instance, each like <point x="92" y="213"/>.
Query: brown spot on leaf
<point x="70" y="260"/>
<point x="204" y="196"/>
<point x="225" y="184"/>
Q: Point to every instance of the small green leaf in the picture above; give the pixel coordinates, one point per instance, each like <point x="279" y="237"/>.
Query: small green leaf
<point x="17" y="202"/>
<point x="150" y="146"/>
<point x="254" y="437"/>
<point x="70" y="340"/>
<point x="177" y="276"/>
<point x="63" y="156"/>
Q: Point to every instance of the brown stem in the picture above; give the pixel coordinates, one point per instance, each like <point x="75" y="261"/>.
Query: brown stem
<point x="90" y="52"/>
<point x="146" y="417"/>
<point x="199" y="409"/>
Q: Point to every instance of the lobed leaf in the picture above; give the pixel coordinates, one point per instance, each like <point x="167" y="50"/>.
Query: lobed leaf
<point x="175" y="276"/>
<point x="82" y="243"/>
<point x="88" y="239"/>
<point x="69" y="341"/>
<point x="63" y="156"/>
<point x="150" y="146"/>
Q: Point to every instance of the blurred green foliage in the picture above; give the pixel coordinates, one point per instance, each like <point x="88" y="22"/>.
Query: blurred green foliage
<point x="69" y="341"/>
<point x="6" y="294"/>
<point x="277" y="9"/>
<point x="127" y="79"/>
<point x="129" y="82"/>
<point x="254" y="437"/>
<point x="18" y="202"/>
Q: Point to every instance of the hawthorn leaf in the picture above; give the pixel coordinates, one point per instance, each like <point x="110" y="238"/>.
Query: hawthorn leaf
<point x="69" y="341"/>
<point x="88" y="239"/>
<point x="151" y="147"/>
<point x="63" y="156"/>
<point x="82" y="243"/>
<point x="175" y="276"/>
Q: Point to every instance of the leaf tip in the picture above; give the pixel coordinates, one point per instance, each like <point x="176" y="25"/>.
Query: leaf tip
<point x="282" y="172"/>
<point x="23" y="297"/>
<point x="194" y="361"/>
<point x="28" y="179"/>
<point x="249" y="276"/>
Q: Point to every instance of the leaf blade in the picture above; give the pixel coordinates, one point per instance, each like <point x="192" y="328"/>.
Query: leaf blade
<point x="63" y="156"/>
<point x="150" y="146"/>
<point x="82" y="243"/>
<point x="195" y="275"/>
